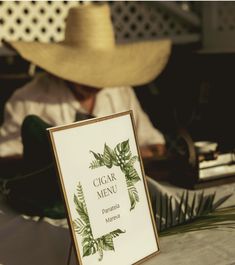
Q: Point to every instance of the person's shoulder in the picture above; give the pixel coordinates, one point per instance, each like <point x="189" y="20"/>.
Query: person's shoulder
<point x="46" y="82"/>
<point x="29" y="87"/>
<point x="42" y="83"/>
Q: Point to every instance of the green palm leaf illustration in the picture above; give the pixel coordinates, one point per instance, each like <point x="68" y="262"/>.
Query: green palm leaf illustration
<point x="81" y="209"/>
<point x="122" y="151"/>
<point x="109" y="157"/>
<point x="132" y="175"/>
<point x="81" y="226"/>
<point x="133" y="194"/>
<point x="120" y="156"/>
<point x="98" y="162"/>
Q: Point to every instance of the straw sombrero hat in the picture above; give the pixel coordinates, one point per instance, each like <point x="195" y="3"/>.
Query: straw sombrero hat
<point x="88" y="55"/>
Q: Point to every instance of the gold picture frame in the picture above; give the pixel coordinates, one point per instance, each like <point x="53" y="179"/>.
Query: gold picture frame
<point x="104" y="187"/>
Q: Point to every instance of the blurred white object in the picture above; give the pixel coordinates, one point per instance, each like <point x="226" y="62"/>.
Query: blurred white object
<point x="203" y="147"/>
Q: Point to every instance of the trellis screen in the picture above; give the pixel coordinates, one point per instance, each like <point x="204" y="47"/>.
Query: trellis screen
<point x="133" y="20"/>
<point x="219" y="26"/>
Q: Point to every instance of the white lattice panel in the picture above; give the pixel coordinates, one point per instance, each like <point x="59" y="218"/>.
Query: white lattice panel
<point x="45" y="20"/>
<point x="219" y="26"/>
<point x="139" y="20"/>
<point x="225" y="16"/>
<point x="33" y="20"/>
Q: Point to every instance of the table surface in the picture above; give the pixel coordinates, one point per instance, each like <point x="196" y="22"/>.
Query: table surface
<point x="26" y="240"/>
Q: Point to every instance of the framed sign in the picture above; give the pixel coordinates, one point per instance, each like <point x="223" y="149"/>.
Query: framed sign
<point x="105" y="192"/>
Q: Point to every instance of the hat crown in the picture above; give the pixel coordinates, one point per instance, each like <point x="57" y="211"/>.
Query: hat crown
<point x="90" y="26"/>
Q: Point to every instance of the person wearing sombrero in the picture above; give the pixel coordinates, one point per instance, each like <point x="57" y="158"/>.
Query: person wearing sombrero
<point x="85" y="73"/>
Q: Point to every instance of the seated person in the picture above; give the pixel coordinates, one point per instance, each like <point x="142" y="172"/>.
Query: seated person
<point x="88" y="73"/>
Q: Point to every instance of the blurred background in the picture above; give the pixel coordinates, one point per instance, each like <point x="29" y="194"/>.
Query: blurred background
<point x="196" y="89"/>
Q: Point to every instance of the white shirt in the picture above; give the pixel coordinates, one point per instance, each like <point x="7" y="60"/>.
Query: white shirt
<point x="50" y="99"/>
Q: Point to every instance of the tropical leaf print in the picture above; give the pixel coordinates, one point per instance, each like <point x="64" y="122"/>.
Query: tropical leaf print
<point x="81" y="226"/>
<point x="120" y="156"/>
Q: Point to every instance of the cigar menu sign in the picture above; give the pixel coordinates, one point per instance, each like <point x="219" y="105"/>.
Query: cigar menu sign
<point x="104" y="189"/>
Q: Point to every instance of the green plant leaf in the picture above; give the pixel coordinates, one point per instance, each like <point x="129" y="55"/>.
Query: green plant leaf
<point x="107" y="242"/>
<point x="120" y="156"/>
<point x="224" y="217"/>
<point x="82" y="226"/>
<point x="192" y="215"/>
<point x="79" y="226"/>
<point x="87" y="231"/>
<point x="108" y="156"/>
<point x="97" y="156"/>
<point x="100" y="250"/>
<point x="87" y="250"/>
<point x="80" y="208"/>
<point x="95" y="164"/>
<point x="132" y="175"/>
<point x="86" y="240"/>
<point x="122" y="150"/>
<point x="80" y="195"/>
<point x="131" y="162"/>
<point x="221" y="201"/>
<point x="133" y="194"/>
<point x="117" y="232"/>
<point x="125" y="146"/>
<point x="99" y="162"/>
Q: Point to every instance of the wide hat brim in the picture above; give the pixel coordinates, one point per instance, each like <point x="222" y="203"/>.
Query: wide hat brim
<point x="125" y="64"/>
